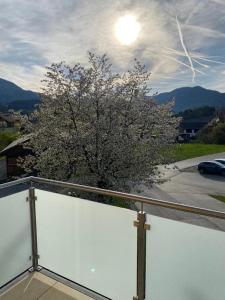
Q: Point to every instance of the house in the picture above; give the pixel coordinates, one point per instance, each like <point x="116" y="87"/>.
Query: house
<point x="190" y="127"/>
<point x="9" y="122"/>
<point x="221" y="115"/>
<point x="12" y="152"/>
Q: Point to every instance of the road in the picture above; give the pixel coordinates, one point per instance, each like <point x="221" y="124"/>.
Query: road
<point x="175" y="168"/>
<point x="183" y="184"/>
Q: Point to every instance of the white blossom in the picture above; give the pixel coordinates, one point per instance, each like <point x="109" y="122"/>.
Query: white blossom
<point x="99" y="127"/>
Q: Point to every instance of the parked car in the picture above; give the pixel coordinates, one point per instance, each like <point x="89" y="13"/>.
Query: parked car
<point x="211" y="167"/>
<point x="220" y="160"/>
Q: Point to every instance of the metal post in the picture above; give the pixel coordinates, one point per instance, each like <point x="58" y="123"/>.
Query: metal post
<point x="141" y="254"/>
<point x="32" y="198"/>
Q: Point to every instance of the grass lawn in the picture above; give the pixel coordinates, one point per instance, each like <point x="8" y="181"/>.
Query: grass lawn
<point x="218" y="197"/>
<point x="186" y="151"/>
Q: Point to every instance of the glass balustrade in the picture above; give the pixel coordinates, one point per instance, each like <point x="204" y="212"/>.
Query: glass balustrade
<point x="184" y="261"/>
<point x="15" y="236"/>
<point x="90" y="243"/>
<point x="102" y="247"/>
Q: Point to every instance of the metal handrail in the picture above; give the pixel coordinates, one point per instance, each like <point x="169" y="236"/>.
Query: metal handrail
<point x="15" y="182"/>
<point x="125" y="196"/>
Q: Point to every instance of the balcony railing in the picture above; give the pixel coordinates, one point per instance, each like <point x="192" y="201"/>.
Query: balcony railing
<point x="116" y="252"/>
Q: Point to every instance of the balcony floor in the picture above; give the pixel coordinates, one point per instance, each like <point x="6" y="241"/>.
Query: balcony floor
<point x="38" y="286"/>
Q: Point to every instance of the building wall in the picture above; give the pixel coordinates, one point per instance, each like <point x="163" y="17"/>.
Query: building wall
<point x="191" y="132"/>
<point x="12" y="155"/>
<point x="3" y="169"/>
<point x="8" y="129"/>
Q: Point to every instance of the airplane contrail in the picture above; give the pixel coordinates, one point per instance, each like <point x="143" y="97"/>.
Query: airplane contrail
<point x="182" y="63"/>
<point x="176" y="60"/>
<point x="185" y="50"/>
<point x="181" y="53"/>
<point x="199" y="63"/>
<point x="211" y="60"/>
<point x="198" y="56"/>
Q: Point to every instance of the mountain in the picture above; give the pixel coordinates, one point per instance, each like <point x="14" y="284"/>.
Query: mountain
<point x="192" y="97"/>
<point x="25" y="105"/>
<point x="10" y="92"/>
<point x="14" y="97"/>
<point x="3" y="108"/>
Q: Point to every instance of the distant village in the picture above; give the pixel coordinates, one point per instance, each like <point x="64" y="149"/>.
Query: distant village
<point x="8" y="122"/>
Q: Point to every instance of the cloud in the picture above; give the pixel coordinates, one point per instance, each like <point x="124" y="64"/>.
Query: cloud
<point x="34" y="34"/>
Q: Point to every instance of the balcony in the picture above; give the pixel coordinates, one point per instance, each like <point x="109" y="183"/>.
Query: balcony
<point x="56" y="246"/>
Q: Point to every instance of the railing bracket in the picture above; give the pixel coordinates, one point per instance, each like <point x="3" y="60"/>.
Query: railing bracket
<point x="28" y="199"/>
<point x="39" y="268"/>
<point x="136" y="223"/>
<point x="146" y="226"/>
<point x="31" y="256"/>
<point x="31" y="270"/>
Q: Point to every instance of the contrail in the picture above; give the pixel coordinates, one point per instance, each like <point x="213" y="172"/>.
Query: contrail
<point x="176" y="60"/>
<point x="199" y="63"/>
<point x="185" y="50"/>
<point x="182" y="63"/>
<point x="205" y="58"/>
<point x="211" y="60"/>
<point x="181" y="53"/>
<point x="172" y="51"/>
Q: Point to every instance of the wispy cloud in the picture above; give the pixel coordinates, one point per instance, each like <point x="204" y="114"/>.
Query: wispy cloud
<point x="34" y="34"/>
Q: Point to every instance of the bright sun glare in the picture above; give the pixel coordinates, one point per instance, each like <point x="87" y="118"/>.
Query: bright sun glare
<point x="127" y="29"/>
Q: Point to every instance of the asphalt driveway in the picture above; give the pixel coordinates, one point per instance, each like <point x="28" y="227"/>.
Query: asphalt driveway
<point x="183" y="184"/>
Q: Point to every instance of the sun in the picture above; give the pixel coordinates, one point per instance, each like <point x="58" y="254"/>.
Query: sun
<point x="127" y="29"/>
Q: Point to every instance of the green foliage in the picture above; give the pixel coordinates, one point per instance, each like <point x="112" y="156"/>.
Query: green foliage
<point x="218" y="134"/>
<point x="7" y="137"/>
<point x="214" y="134"/>
<point x="205" y="111"/>
<point x="186" y="151"/>
<point x="218" y="197"/>
<point x="120" y="202"/>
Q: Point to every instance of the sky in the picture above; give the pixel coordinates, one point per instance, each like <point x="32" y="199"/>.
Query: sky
<point x="181" y="42"/>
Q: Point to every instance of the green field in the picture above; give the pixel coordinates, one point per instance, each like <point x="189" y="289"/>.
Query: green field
<point x="7" y="137"/>
<point x="218" y="197"/>
<point x="186" y="151"/>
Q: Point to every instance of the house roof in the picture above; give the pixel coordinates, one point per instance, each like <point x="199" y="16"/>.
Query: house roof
<point x="196" y="123"/>
<point x="16" y="143"/>
<point x="8" y="117"/>
<point x="5" y="117"/>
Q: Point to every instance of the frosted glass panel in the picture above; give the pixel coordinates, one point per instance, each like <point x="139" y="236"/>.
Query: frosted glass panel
<point x="15" y="236"/>
<point x="184" y="262"/>
<point x="90" y="243"/>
